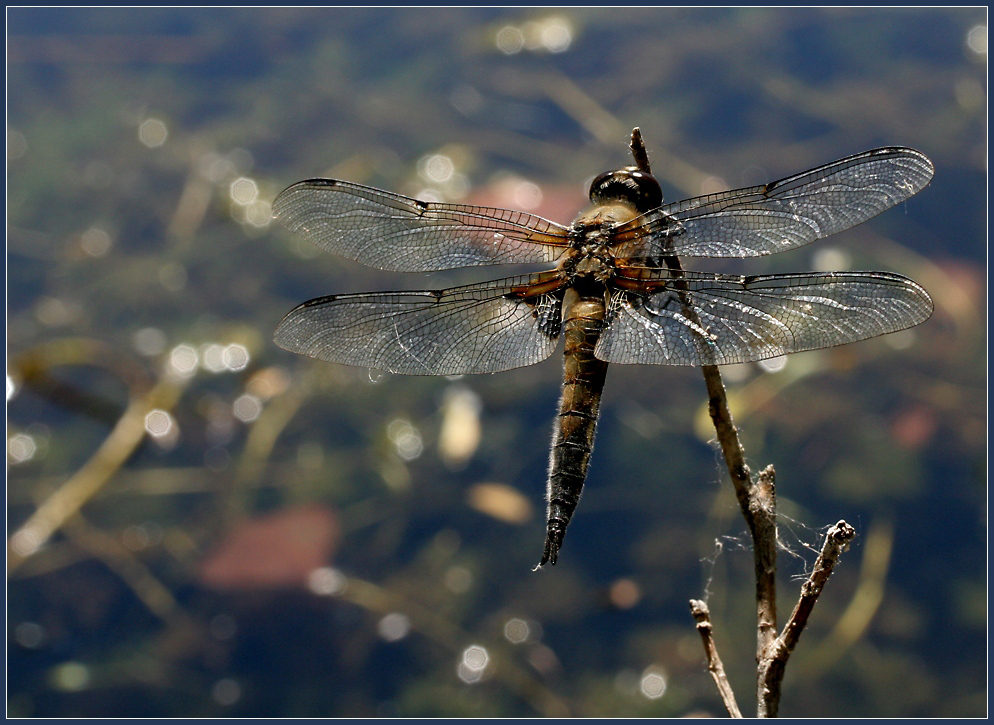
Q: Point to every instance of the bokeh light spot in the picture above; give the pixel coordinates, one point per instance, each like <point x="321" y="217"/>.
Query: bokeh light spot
<point x="243" y="191"/>
<point x="625" y="593"/>
<point x="831" y="259"/>
<point x="527" y="195"/>
<point x="472" y="664"/>
<point x="149" y="341"/>
<point x="460" y="434"/>
<point x="556" y="34"/>
<point x="70" y="676"/>
<point x="430" y="195"/>
<point x="436" y="168"/>
<point x="226" y="691"/>
<point x="653" y="683"/>
<point x="501" y="501"/>
<point x="236" y="357"/>
<point x="269" y="382"/>
<point x="712" y="185"/>
<point x="466" y="99"/>
<point x="183" y="360"/>
<point x="516" y="631"/>
<point x="406" y="439"/>
<point x="773" y="364"/>
<point x="259" y="213"/>
<point x="976" y="39"/>
<point x="476" y="657"/>
<point x="153" y="132"/>
<point x="30" y="635"/>
<point x="394" y="626"/>
<point x="510" y="40"/>
<point x="901" y="340"/>
<point x="215" y="168"/>
<point x="737" y="372"/>
<point x="326" y="581"/>
<point x="246" y="408"/>
<point x="212" y="358"/>
<point x="970" y="94"/>
<point x="95" y="241"/>
<point x="159" y="423"/>
<point x="21" y="448"/>
<point x="27" y="541"/>
<point x="56" y="312"/>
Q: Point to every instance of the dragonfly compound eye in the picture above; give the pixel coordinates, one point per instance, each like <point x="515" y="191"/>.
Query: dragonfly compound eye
<point x="627" y="184"/>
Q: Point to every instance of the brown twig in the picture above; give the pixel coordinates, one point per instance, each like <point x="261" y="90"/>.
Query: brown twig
<point x="771" y="666"/>
<point x="757" y="500"/>
<point x="641" y="156"/>
<point x="763" y="526"/>
<point x="703" y="618"/>
<point x="876" y="549"/>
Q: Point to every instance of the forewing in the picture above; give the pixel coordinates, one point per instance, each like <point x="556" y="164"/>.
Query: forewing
<point x="781" y="215"/>
<point x="734" y="319"/>
<point x="480" y="328"/>
<point x="393" y="232"/>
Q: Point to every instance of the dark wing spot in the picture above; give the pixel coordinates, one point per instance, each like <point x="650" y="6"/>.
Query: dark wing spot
<point x="319" y="301"/>
<point x="548" y="315"/>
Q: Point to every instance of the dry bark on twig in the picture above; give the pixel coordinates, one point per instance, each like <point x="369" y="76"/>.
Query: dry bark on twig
<point x="703" y="618"/>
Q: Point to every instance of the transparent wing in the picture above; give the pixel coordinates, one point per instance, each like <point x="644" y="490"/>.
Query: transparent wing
<point x="742" y="319"/>
<point x="479" y="328"/>
<point x="393" y="232"/>
<point x="781" y="215"/>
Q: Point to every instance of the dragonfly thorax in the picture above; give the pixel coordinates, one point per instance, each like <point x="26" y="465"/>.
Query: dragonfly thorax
<point x="590" y="253"/>
<point x="599" y="268"/>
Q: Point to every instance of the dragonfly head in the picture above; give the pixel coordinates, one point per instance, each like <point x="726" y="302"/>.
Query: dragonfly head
<point x="627" y="184"/>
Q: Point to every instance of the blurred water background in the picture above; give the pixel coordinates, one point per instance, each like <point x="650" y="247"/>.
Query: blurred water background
<point x="201" y="524"/>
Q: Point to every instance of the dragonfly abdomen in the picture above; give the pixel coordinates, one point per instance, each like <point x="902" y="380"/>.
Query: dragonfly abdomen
<point x="573" y="435"/>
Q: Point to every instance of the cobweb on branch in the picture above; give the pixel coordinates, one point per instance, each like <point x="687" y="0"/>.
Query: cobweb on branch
<point x="800" y="543"/>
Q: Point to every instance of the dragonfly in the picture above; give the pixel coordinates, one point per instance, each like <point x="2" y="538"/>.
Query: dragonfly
<point x="616" y="292"/>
